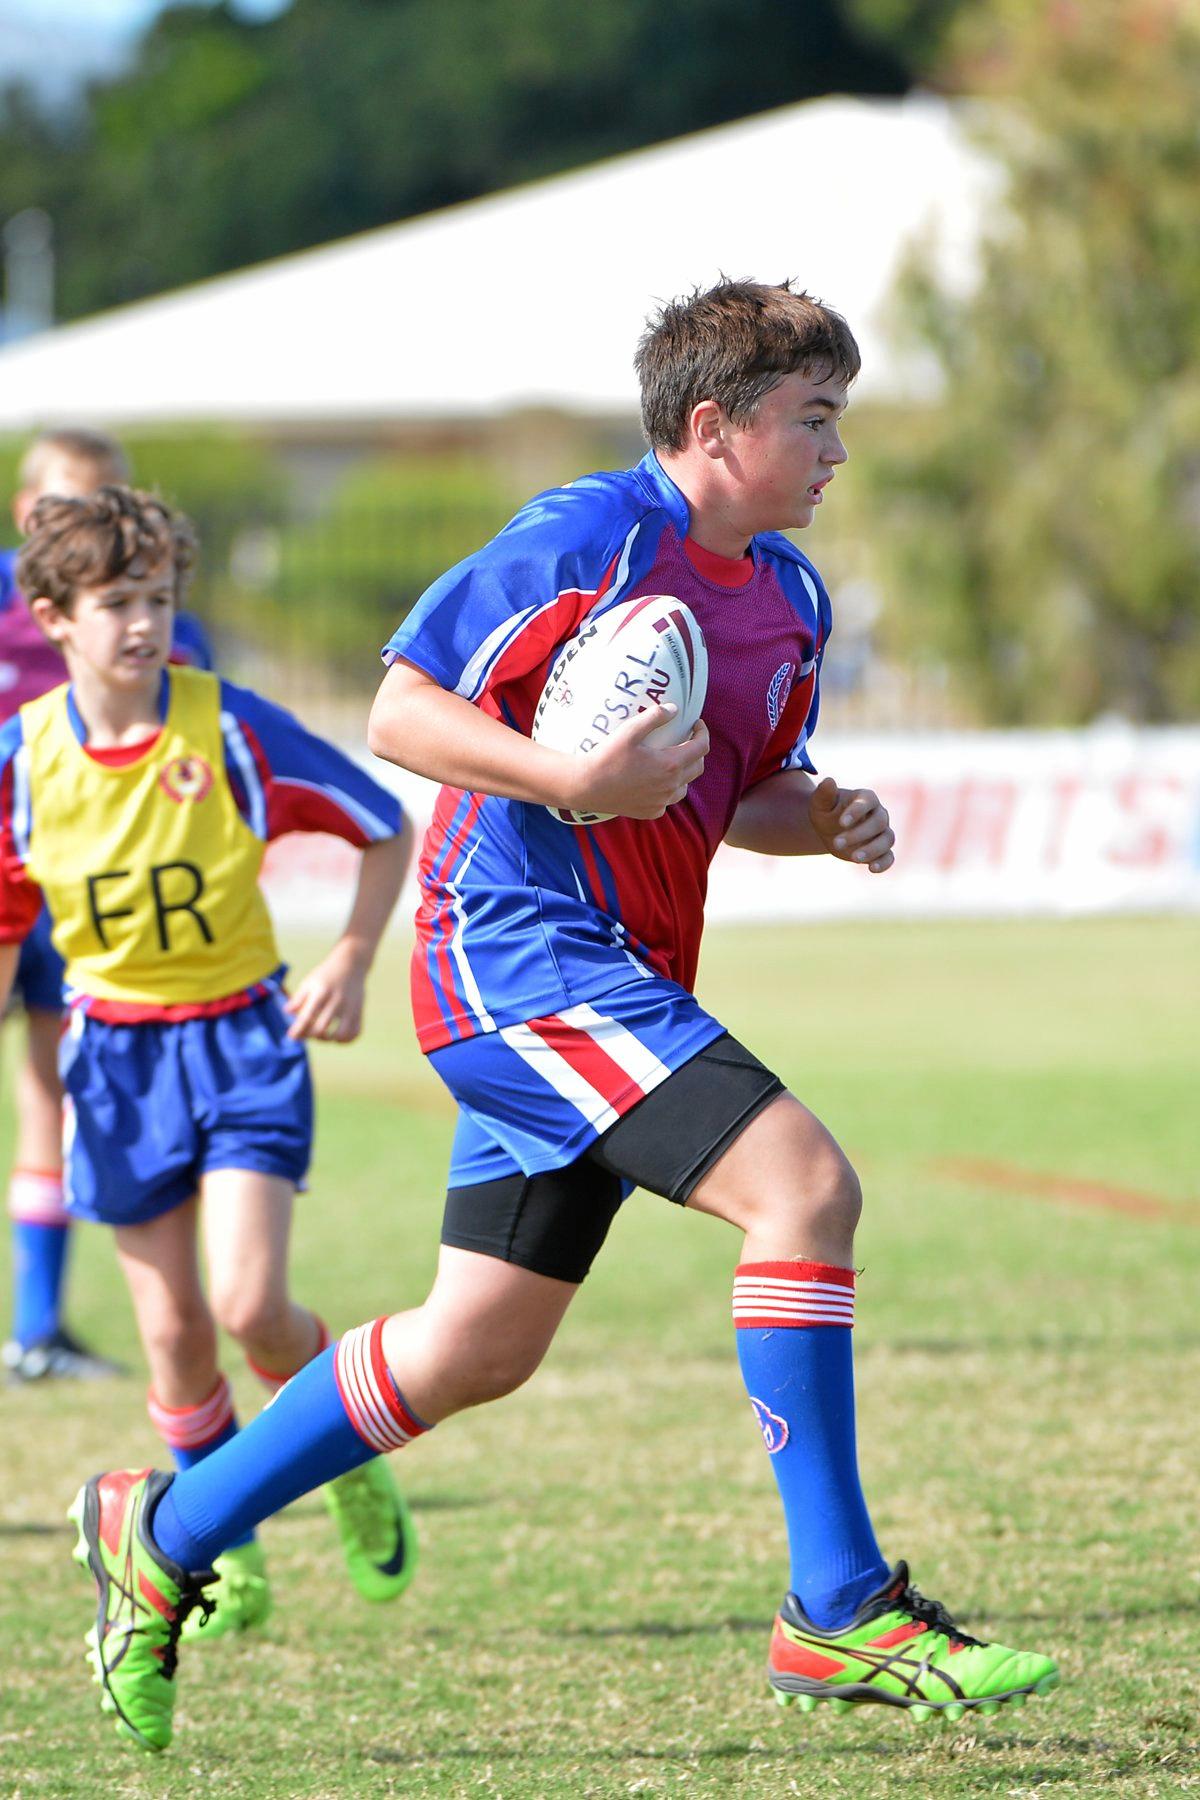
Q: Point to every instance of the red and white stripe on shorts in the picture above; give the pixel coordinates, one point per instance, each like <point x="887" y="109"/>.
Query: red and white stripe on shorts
<point x="368" y="1393"/>
<point x="774" y="1294"/>
<point x="35" y="1197"/>
<point x="592" y="1061"/>
<point x="269" y="1377"/>
<point x="191" y="1427"/>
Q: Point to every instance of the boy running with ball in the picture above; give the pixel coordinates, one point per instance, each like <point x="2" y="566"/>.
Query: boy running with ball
<point x="138" y="799"/>
<point x="552" y="989"/>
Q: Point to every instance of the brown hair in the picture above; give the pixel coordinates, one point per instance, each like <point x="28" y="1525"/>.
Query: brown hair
<point x="733" y="343"/>
<point x="98" y="451"/>
<point x="74" y="544"/>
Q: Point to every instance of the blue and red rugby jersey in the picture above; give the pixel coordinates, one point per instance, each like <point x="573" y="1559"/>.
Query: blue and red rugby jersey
<point x="282" y="778"/>
<point x="522" y="916"/>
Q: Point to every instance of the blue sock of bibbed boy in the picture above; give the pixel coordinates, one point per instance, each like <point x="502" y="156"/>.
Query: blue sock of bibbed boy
<point x="41" y="1230"/>
<point x="342" y="1409"/>
<point x="192" y="1433"/>
<point x="793" y="1324"/>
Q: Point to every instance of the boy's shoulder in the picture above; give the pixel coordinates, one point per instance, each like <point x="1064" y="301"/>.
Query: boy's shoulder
<point x="8" y="579"/>
<point x="594" y="509"/>
<point x="775" y="544"/>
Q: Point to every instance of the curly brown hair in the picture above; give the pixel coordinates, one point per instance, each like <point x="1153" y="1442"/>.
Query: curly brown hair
<point x="733" y="343"/>
<point x="75" y="544"/>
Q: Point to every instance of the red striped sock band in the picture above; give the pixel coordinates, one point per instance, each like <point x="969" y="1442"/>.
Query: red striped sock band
<point x="773" y="1294"/>
<point x="271" y="1379"/>
<point x="191" y="1427"/>
<point x="35" y="1197"/>
<point x="368" y="1393"/>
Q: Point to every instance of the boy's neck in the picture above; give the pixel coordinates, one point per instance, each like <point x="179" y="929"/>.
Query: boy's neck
<point x="713" y="521"/>
<point x="115" y="717"/>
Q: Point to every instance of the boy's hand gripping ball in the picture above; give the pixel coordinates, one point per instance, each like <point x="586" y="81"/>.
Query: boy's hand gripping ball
<point x="640" y="653"/>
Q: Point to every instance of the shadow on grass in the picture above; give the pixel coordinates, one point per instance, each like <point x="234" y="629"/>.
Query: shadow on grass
<point x="35" y="1528"/>
<point x="900" y="1748"/>
<point x="312" y="1507"/>
<point x="662" y="1628"/>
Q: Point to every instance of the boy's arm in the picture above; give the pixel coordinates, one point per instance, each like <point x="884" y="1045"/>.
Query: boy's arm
<point x="328" y="1003"/>
<point x="9" y="955"/>
<point x="420" y="725"/>
<point x="789" y="814"/>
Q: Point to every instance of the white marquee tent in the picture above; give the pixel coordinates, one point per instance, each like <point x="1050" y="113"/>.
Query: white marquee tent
<point x="533" y="297"/>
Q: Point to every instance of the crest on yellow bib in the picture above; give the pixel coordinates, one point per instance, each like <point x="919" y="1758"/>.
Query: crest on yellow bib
<point x="186" y="778"/>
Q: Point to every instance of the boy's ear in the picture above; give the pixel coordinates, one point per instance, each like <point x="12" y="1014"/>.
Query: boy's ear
<point x="52" y="620"/>
<point x="707" y="426"/>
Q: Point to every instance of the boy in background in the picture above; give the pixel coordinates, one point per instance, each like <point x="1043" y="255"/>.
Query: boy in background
<point x="139" y="799"/>
<point x="71" y="462"/>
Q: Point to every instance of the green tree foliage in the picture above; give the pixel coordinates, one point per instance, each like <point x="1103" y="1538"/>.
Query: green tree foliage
<point x="229" y="141"/>
<point x="1043" y="520"/>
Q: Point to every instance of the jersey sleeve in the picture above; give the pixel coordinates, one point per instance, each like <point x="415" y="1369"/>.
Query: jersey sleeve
<point x="20" y="897"/>
<point x="286" y="778"/>
<point x="496" y="616"/>
<point x="190" y="643"/>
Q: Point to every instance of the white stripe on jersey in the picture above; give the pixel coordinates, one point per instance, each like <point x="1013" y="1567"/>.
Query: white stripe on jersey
<point x="22" y="821"/>
<point x="243" y="756"/>
<point x="458" y="949"/>
<point x="474" y="677"/>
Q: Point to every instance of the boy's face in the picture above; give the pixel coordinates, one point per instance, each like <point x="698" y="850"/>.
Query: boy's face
<point x="787" y="455"/>
<point x="118" y="633"/>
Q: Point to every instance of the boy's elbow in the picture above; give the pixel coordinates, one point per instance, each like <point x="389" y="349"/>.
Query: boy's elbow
<point x="380" y="738"/>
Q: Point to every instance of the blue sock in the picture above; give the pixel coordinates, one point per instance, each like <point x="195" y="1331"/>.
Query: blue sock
<point x="342" y="1409"/>
<point x="193" y="1432"/>
<point x="39" y="1266"/>
<point x="794" y="1348"/>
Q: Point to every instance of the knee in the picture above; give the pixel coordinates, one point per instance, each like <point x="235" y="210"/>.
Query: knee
<point x="498" y="1371"/>
<point x="821" y="1205"/>
<point x="253" y="1317"/>
<point x="181" y="1339"/>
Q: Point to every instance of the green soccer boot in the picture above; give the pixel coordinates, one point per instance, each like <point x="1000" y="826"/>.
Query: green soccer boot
<point x="241" y="1598"/>
<point x="899" y="1650"/>
<point x="143" y="1601"/>
<point x="375" y="1528"/>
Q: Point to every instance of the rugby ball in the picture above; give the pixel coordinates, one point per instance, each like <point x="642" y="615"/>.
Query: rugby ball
<point x="638" y="653"/>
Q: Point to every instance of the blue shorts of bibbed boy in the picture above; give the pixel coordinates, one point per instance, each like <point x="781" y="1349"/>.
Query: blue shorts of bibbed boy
<point x="39" y="976"/>
<point x="152" y="1107"/>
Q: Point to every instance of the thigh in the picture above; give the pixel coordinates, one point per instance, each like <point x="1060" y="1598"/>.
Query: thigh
<point x="247" y="1222"/>
<point x="690" y="1124"/>
<point x="551" y="1224"/>
<point x="159" y="1262"/>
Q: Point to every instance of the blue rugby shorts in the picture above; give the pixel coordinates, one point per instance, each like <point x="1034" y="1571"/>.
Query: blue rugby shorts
<point x="153" y="1107"/>
<point x="532" y="1097"/>
<point x="39" y="976"/>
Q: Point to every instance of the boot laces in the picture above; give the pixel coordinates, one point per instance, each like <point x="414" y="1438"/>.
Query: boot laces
<point x="933" y="1615"/>
<point x="189" y="1601"/>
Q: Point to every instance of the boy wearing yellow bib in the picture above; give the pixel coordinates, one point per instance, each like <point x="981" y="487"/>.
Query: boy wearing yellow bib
<point x="138" y="799"/>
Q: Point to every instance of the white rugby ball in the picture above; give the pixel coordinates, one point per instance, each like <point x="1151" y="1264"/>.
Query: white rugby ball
<point x="640" y="653"/>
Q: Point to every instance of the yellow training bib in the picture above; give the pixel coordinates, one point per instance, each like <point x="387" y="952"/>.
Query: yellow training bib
<point x="149" y="870"/>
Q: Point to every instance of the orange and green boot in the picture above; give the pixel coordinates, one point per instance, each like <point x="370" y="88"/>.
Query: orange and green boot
<point x="899" y="1649"/>
<point x="143" y="1601"/>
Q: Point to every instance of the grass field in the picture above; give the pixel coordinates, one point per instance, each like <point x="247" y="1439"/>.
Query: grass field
<point x="602" y="1553"/>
